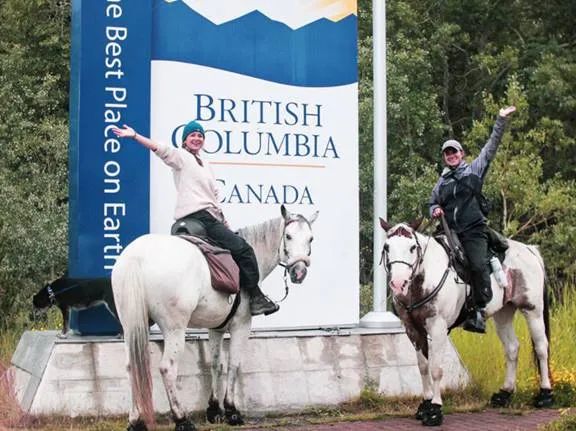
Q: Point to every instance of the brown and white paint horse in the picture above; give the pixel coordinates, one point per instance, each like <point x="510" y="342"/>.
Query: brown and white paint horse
<point x="429" y="297"/>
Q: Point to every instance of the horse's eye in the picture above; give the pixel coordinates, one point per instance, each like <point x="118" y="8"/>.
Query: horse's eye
<point x="412" y="249"/>
<point x="288" y="236"/>
<point x="311" y="239"/>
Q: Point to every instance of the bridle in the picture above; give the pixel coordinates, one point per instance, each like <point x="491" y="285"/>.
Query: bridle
<point x="414" y="266"/>
<point x="401" y="231"/>
<point x="291" y="262"/>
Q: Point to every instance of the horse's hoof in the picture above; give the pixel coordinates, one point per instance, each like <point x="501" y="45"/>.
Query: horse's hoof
<point x="184" y="425"/>
<point x="214" y="413"/>
<point x="422" y="409"/>
<point x="139" y="425"/>
<point x="544" y="399"/>
<point x="501" y="399"/>
<point x="433" y="416"/>
<point x="233" y="417"/>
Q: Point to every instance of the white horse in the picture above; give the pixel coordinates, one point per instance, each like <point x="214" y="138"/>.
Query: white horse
<point x="166" y="280"/>
<point x="429" y="297"/>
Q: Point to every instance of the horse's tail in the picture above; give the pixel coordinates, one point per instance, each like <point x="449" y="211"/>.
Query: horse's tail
<point x="545" y="309"/>
<point x="131" y="302"/>
<point x="547" y="327"/>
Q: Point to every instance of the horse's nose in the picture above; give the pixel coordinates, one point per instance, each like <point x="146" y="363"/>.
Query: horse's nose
<point x="397" y="285"/>
<point x="298" y="273"/>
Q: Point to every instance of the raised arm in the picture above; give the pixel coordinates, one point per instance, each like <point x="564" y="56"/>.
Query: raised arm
<point x="128" y="132"/>
<point x="480" y="165"/>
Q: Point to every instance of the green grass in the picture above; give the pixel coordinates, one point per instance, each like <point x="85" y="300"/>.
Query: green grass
<point x="567" y="422"/>
<point x="484" y="357"/>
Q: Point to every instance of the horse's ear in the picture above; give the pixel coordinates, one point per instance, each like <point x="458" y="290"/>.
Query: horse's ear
<point x="385" y="224"/>
<point x="415" y="224"/>
<point x="313" y="217"/>
<point x="285" y="213"/>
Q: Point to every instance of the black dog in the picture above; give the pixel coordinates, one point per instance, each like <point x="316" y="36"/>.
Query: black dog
<point x="76" y="293"/>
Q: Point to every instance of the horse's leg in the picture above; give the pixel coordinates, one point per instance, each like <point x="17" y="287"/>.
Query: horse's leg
<point x="503" y="320"/>
<point x="214" y="413"/>
<point x="239" y="335"/>
<point x="174" y="341"/>
<point x="438" y="332"/>
<point x="424" y="368"/>
<point x="537" y="329"/>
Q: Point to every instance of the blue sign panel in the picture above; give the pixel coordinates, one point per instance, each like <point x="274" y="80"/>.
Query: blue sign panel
<point x="275" y="85"/>
<point x="110" y="86"/>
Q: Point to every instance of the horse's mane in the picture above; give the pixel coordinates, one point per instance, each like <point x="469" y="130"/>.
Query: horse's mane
<point x="265" y="239"/>
<point x="264" y="234"/>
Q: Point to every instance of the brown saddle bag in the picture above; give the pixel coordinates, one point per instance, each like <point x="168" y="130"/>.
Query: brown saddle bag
<point x="224" y="272"/>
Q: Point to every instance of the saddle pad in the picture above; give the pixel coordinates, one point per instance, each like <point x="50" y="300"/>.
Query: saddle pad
<point x="224" y="272"/>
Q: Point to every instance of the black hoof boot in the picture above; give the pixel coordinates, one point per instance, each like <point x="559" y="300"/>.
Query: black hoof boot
<point x="214" y="413"/>
<point x="184" y="424"/>
<point x="433" y="416"/>
<point x="423" y="409"/>
<point x="545" y="398"/>
<point x="139" y="425"/>
<point x="475" y="322"/>
<point x="233" y="416"/>
<point x="501" y="398"/>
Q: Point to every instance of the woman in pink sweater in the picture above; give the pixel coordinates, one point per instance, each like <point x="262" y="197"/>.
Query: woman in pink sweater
<point x="197" y="201"/>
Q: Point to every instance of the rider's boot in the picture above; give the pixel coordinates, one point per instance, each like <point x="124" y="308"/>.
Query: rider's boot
<point x="476" y="321"/>
<point x="260" y="303"/>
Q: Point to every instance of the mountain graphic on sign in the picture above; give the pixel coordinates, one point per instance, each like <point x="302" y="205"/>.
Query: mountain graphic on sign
<point x="320" y="54"/>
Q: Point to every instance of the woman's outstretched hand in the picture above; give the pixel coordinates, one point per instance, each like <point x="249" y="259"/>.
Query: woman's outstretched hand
<point x="504" y="112"/>
<point x="125" y="132"/>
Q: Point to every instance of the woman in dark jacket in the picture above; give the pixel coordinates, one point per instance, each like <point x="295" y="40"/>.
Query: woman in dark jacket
<point x="455" y="196"/>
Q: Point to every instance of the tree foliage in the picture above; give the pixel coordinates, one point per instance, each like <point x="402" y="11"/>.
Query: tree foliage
<point x="34" y="57"/>
<point x="451" y="65"/>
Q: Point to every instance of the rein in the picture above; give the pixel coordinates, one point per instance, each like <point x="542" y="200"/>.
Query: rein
<point x="290" y="263"/>
<point x="427" y="298"/>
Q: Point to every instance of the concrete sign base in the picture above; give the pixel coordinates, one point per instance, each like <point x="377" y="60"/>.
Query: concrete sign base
<point x="283" y="371"/>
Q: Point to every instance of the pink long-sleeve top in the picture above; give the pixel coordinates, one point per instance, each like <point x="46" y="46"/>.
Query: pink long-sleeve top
<point x="195" y="183"/>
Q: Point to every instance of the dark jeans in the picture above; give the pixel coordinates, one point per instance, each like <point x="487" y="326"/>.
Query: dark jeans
<point x="241" y="251"/>
<point x="475" y="244"/>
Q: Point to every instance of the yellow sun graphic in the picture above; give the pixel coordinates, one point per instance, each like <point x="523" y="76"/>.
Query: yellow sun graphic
<point x="339" y="8"/>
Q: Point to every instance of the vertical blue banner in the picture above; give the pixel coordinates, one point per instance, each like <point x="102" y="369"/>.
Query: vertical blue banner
<point x="110" y="86"/>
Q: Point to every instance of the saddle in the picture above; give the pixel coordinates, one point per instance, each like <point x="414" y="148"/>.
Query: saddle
<point x="188" y="226"/>
<point x="447" y="238"/>
<point x="497" y="246"/>
<point x="224" y="273"/>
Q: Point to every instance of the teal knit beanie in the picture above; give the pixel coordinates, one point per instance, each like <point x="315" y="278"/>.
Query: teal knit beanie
<point x="192" y="126"/>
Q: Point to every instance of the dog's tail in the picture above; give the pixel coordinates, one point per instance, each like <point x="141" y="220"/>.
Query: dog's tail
<point x="130" y="299"/>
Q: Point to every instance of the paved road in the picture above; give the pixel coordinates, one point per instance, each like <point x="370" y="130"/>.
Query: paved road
<point x="488" y="420"/>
